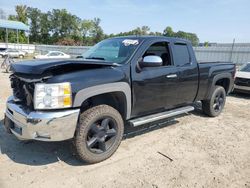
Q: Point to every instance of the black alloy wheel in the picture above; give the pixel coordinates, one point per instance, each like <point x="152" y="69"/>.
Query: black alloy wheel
<point x="214" y="106"/>
<point x="218" y="101"/>
<point x="101" y="135"/>
<point x="98" y="133"/>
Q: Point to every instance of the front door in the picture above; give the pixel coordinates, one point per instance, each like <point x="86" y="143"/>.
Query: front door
<point x="154" y="88"/>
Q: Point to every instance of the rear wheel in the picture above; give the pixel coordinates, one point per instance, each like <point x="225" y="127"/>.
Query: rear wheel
<point x="214" y="106"/>
<point x="99" y="133"/>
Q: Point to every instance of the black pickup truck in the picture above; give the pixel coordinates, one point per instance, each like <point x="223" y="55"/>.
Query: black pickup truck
<point x="119" y="81"/>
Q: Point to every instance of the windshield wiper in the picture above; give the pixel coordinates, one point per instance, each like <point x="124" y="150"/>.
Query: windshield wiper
<point x="98" y="58"/>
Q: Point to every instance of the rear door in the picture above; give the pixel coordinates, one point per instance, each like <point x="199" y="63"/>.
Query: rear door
<point x="186" y="64"/>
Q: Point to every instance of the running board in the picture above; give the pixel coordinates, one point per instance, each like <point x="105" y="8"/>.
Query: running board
<point x="162" y="115"/>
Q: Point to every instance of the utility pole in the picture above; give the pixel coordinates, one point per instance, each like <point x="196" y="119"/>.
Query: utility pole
<point x="17" y="36"/>
<point x="6" y="39"/>
<point x="231" y="55"/>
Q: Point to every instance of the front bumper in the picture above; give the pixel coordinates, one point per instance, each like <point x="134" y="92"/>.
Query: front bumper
<point x="238" y="87"/>
<point x="40" y="125"/>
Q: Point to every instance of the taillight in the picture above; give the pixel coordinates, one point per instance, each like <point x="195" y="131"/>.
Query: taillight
<point x="234" y="72"/>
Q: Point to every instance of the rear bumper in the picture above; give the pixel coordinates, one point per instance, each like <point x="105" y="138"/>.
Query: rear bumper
<point x="40" y="125"/>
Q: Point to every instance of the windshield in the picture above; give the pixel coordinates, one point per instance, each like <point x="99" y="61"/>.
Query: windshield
<point x="245" y="68"/>
<point x="112" y="50"/>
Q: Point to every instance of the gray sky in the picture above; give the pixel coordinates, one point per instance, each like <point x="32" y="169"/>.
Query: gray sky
<point x="211" y="20"/>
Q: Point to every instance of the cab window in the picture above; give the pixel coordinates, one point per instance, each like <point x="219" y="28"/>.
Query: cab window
<point x="160" y="49"/>
<point x="181" y="55"/>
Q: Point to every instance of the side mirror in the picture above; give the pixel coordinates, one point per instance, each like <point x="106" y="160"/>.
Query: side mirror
<point x="151" y="61"/>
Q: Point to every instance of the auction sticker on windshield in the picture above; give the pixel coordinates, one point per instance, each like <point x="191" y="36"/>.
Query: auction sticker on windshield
<point x="128" y="42"/>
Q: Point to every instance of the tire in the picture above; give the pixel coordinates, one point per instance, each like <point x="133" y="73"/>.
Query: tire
<point x="91" y="134"/>
<point x="214" y="106"/>
<point x="21" y="56"/>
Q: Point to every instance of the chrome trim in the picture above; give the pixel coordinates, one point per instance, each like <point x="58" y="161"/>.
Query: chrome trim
<point x="152" y="59"/>
<point x="41" y="125"/>
<point x="172" y="76"/>
<point x="159" y="116"/>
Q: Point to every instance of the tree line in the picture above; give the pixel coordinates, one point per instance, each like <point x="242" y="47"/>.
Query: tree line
<point x="59" y="26"/>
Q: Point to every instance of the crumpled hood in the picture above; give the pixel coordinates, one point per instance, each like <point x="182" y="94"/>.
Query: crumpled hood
<point x="42" y="66"/>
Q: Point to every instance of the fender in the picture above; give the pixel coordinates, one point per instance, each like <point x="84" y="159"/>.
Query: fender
<point x="218" y="77"/>
<point x="86" y="93"/>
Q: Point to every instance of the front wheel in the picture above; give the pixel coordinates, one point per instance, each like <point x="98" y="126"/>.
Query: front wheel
<point x="214" y="106"/>
<point x="21" y="56"/>
<point x="98" y="134"/>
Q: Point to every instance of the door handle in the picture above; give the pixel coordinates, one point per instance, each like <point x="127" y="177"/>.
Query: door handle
<point x="172" y="76"/>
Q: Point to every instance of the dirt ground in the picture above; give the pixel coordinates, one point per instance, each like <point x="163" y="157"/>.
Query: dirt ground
<point x="188" y="151"/>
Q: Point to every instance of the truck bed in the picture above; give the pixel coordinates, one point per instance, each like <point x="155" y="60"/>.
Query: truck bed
<point x="207" y="72"/>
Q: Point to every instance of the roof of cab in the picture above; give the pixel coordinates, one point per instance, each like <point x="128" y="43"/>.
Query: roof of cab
<point x="146" y="37"/>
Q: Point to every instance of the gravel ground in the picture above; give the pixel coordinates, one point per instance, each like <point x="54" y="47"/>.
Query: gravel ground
<point x="188" y="151"/>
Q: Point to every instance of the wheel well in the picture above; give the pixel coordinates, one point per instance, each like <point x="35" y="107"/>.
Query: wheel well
<point x="224" y="82"/>
<point x="115" y="99"/>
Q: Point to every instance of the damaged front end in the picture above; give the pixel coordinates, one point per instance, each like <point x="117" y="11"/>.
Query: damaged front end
<point x="23" y="92"/>
<point x="27" y="123"/>
<point x="41" y="107"/>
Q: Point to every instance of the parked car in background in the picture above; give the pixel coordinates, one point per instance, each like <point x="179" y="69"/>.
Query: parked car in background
<point x="53" y="55"/>
<point x="242" y="80"/>
<point x="12" y="53"/>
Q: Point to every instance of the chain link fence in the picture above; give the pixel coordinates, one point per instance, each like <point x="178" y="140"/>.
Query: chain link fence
<point x="71" y="50"/>
<point x="239" y="53"/>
